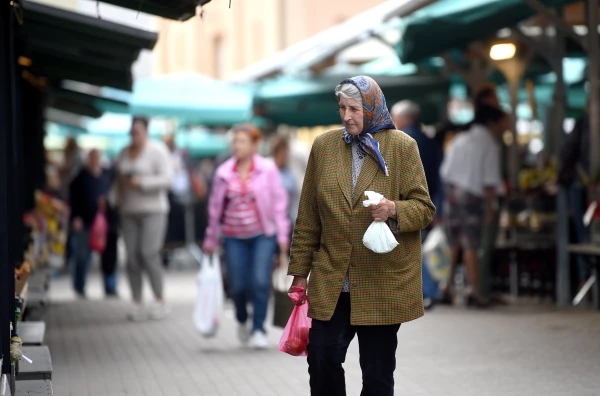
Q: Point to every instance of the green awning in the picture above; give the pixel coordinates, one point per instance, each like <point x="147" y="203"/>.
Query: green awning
<point x="85" y="104"/>
<point x="311" y="102"/>
<point x="193" y="99"/>
<point x="449" y="24"/>
<point x="180" y="10"/>
<point x="114" y="129"/>
<point x="65" y="45"/>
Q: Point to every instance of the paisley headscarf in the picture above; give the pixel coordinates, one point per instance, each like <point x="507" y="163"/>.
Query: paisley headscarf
<point x="376" y="117"/>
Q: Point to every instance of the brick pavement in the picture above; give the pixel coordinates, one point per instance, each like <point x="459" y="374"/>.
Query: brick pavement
<point x="451" y="352"/>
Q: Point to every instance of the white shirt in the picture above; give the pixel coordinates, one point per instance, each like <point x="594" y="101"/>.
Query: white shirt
<point x="181" y="180"/>
<point x="153" y="167"/>
<point x="472" y="161"/>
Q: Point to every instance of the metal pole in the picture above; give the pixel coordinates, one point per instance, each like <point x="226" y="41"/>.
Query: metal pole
<point x="563" y="273"/>
<point x="513" y="165"/>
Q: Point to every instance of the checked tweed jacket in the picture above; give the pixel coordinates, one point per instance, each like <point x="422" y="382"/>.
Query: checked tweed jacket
<point x="327" y="242"/>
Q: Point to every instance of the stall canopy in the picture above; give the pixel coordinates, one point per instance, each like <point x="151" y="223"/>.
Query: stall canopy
<point x="311" y="102"/>
<point x="192" y="99"/>
<point x="180" y="10"/>
<point x="85" y="104"/>
<point x="63" y="45"/>
<point x="449" y="24"/>
<point x="111" y="132"/>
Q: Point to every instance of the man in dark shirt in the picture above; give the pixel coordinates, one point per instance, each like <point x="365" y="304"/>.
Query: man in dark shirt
<point x="405" y="115"/>
<point x="573" y="170"/>
<point x="87" y="194"/>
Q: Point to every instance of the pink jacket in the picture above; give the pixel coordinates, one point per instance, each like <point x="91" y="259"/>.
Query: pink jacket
<point x="271" y="200"/>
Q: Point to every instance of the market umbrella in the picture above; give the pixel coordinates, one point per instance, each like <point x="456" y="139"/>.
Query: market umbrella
<point x="448" y="24"/>
<point x="192" y="99"/>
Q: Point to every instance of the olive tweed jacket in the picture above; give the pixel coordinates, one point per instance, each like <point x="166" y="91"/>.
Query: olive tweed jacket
<point x="327" y="242"/>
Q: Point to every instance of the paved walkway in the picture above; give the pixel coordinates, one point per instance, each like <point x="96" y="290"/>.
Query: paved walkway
<point x="451" y="352"/>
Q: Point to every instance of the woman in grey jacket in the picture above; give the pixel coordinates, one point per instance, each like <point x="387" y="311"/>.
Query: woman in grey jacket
<point x="143" y="181"/>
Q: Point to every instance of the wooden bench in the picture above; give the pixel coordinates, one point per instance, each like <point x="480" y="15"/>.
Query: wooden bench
<point x="40" y="369"/>
<point x="33" y="387"/>
<point x="32" y="333"/>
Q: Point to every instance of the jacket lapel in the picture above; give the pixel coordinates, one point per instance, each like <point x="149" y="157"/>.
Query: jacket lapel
<point x="344" y="175"/>
<point x="369" y="171"/>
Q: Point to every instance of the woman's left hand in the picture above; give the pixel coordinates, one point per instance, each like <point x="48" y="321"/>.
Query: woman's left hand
<point x="384" y="210"/>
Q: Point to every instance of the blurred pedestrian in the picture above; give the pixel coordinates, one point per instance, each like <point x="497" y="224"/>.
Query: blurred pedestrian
<point x="88" y="192"/>
<point x="472" y="175"/>
<point x="352" y="290"/>
<point x="248" y="205"/>
<point x="574" y="175"/>
<point x="280" y="151"/>
<point x="143" y="181"/>
<point x="73" y="161"/>
<point x="179" y="196"/>
<point x="405" y="115"/>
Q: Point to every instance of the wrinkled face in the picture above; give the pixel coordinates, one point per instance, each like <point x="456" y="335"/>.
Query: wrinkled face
<point x="351" y="113"/>
<point x="139" y="134"/>
<point x="243" y="146"/>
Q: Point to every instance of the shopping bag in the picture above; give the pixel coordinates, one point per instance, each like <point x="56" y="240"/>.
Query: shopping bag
<point x="98" y="233"/>
<point x="283" y="305"/>
<point x="295" y="335"/>
<point x="378" y="237"/>
<point x="209" y="301"/>
<point x="436" y="254"/>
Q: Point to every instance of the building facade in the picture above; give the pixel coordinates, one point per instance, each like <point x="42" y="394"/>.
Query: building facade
<point x="221" y="41"/>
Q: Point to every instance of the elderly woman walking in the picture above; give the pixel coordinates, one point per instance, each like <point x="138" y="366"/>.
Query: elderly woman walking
<point x="352" y="290"/>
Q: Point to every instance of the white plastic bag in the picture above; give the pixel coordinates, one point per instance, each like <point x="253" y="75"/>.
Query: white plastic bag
<point x="378" y="237"/>
<point x="209" y="302"/>
<point x="436" y="254"/>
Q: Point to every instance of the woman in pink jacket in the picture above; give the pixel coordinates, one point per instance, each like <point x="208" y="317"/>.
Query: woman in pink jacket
<point x="248" y="207"/>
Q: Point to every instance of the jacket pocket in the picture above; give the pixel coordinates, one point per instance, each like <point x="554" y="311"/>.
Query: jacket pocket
<point x="318" y="256"/>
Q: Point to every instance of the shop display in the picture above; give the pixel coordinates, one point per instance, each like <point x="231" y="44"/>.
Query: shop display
<point x="16" y="349"/>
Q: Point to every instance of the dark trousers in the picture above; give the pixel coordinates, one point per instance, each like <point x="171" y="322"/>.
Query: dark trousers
<point x="327" y="347"/>
<point x="109" y="263"/>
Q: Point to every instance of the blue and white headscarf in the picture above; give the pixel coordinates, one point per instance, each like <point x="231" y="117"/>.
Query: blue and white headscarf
<point x="376" y="117"/>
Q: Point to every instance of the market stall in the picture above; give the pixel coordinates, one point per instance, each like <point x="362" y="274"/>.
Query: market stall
<point x="41" y="47"/>
<point x="532" y="217"/>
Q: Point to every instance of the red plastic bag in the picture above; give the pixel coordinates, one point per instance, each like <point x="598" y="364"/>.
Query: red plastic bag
<point x="98" y="233"/>
<point x="295" y="335"/>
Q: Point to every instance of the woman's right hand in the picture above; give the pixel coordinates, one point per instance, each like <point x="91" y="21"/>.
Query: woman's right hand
<point x="302" y="282"/>
<point x="208" y="250"/>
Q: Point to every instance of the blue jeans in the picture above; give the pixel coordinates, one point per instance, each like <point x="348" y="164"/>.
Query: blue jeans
<point x="80" y="258"/>
<point x="249" y="266"/>
<point x="430" y="286"/>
